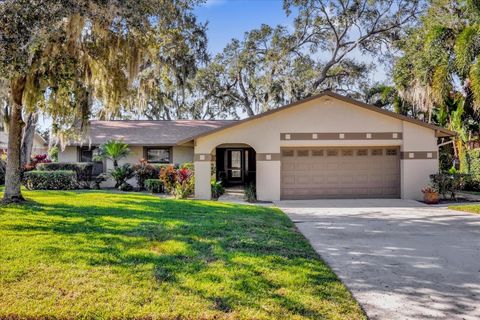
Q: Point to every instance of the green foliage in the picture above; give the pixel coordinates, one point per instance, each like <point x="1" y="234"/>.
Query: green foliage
<point x="449" y="183"/>
<point x="217" y="189"/>
<point x="154" y="185"/>
<point x="50" y="180"/>
<point x="53" y="153"/>
<point x="470" y="164"/>
<point x="185" y="183"/>
<point x="83" y="170"/>
<point x="251" y="193"/>
<point x="125" y="187"/>
<point x="144" y="171"/>
<point x="112" y="150"/>
<point x="168" y="176"/>
<point x="121" y="174"/>
<point x="175" y="259"/>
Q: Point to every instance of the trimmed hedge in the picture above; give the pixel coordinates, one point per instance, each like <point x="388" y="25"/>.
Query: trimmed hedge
<point x="154" y="185"/>
<point x="50" y="180"/>
<point x="83" y="170"/>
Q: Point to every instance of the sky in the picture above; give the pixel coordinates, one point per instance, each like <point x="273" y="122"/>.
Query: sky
<point x="229" y="19"/>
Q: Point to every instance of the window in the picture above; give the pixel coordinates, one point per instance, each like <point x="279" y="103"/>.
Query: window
<point x="332" y="153"/>
<point x="317" y="153"/>
<point x="158" y="155"/>
<point x="87" y="154"/>
<point x="362" y="152"/>
<point x="377" y="152"/>
<point x="302" y="153"/>
<point x="287" y="153"/>
<point x="391" y="152"/>
<point x="347" y="153"/>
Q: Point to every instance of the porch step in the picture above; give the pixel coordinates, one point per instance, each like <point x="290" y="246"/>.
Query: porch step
<point x="233" y="194"/>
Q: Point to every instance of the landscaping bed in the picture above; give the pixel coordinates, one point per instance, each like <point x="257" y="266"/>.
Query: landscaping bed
<point x="96" y="254"/>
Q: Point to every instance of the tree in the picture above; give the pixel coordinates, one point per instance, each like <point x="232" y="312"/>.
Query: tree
<point x="112" y="150"/>
<point x="57" y="57"/>
<point x="272" y="66"/>
<point x="440" y="56"/>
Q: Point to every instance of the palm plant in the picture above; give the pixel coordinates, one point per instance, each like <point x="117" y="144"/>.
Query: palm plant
<point x="112" y="150"/>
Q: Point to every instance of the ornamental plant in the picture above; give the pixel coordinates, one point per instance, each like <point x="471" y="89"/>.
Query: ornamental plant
<point x="35" y="160"/>
<point x="184" y="185"/>
<point x="168" y="175"/>
<point x="144" y="171"/>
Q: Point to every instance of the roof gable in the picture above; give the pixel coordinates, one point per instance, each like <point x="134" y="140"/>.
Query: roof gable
<point x="440" y="132"/>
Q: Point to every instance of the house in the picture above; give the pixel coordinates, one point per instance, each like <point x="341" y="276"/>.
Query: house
<point x="40" y="146"/>
<point x="326" y="146"/>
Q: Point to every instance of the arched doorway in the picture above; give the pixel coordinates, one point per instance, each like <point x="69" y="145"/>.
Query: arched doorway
<point x="235" y="164"/>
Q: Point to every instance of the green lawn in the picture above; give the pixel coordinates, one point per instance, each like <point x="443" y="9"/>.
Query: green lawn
<point x="94" y="254"/>
<point x="473" y="208"/>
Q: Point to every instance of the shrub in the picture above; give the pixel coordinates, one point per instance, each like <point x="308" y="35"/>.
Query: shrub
<point x="251" y="193"/>
<point x="449" y="183"/>
<point x="217" y="189"/>
<point x="168" y="176"/>
<point x="144" y="171"/>
<point x="102" y="177"/>
<point x="470" y="164"/>
<point x="83" y="170"/>
<point x="35" y="161"/>
<point x="50" y="180"/>
<point x="154" y="185"/>
<point x="121" y="174"/>
<point x="2" y="171"/>
<point x="53" y="153"/>
<point x="185" y="183"/>
<point x="125" y="187"/>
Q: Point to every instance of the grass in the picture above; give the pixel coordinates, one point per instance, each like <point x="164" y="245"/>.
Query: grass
<point x="472" y="208"/>
<point x="94" y="254"/>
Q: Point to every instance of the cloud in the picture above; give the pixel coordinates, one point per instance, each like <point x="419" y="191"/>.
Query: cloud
<point x="214" y="3"/>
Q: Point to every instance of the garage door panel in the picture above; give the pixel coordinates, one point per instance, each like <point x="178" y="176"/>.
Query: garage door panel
<point x="362" y="172"/>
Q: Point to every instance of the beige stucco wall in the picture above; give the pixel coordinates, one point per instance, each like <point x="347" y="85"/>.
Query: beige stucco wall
<point x="39" y="146"/>
<point x="323" y="115"/>
<point x="182" y="154"/>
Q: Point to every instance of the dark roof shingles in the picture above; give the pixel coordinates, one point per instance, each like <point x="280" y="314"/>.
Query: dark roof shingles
<point x="145" y="132"/>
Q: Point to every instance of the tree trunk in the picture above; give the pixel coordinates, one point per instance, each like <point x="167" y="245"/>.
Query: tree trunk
<point x="13" y="170"/>
<point x="28" y="137"/>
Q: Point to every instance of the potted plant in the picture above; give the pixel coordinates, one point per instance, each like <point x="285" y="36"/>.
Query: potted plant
<point x="430" y="195"/>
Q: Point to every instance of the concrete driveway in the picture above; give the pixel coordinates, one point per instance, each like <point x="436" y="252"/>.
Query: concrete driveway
<point x="400" y="259"/>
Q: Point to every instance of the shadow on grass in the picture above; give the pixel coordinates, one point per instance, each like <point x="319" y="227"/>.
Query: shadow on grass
<point x="251" y="254"/>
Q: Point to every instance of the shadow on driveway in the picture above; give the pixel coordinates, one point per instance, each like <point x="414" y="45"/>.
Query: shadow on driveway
<point x="401" y="259"/>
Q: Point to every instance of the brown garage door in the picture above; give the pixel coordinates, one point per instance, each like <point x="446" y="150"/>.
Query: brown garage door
<point x="315" y="173"/>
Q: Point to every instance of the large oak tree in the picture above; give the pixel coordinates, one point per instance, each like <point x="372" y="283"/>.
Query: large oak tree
<point x="58" y="57"/>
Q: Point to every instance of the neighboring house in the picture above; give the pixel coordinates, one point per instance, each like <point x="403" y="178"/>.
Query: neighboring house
<point x="326" y="146"/>
<point x="40" y="146"/>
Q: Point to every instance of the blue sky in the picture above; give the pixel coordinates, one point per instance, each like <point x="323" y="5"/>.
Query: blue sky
<point x="229" y="19"/>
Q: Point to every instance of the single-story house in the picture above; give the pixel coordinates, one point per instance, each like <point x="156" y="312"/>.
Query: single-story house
<point x="40" y="146"/>
<point x="326" y="146"/>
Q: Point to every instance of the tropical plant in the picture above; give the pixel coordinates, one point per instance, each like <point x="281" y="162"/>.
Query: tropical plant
<point x="184" y="184"/>
<point x="144" y="171"/>
<point x="113" y="150"/>
<point x="35" y="161"/>
<point x="121" y="174"/>
<point x="168" y="176"/>
<point x="217" y="189"/>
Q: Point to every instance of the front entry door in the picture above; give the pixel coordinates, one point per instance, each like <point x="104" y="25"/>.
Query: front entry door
<point x="235" y="166"/>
